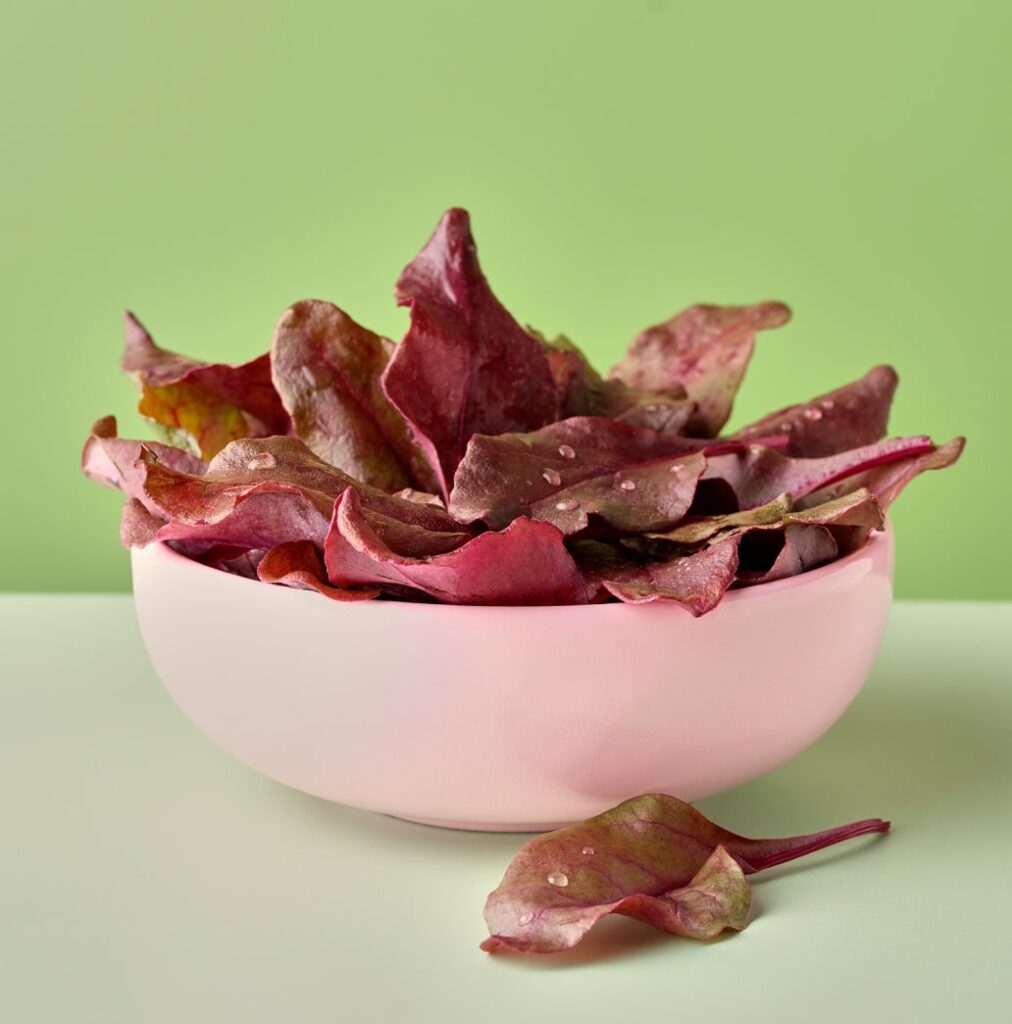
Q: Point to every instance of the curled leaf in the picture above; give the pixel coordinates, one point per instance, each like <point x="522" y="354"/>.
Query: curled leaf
<point x="327" y="370"/>
<point x="758" y="474"/>
<point x="527" y="563"/>
<point x="854" y="415"/>
<point x="113" y="461"/>
<point x="137" y="526"/>
<point x="717" y="897"/>
<point x="884" y="482"/>
<point x="298" y="564"/>
<point x="465" y="366"/>
<point x="696" y="581"/>
<point x="512" y="474"/>
<point x="649" y="848"/>
<point x="202" y="405"/>
<point x="795" y="549"/>
<point x="705" y="350"/>
<point x="583" y="392"/>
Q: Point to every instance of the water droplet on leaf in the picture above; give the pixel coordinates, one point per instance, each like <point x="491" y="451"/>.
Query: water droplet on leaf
<point x="559" y="879"/>
<point x="525" y="919"/>
<point x="552" y="477"/>
<point x="567" y="451"/>
<point x="813" y="414"/>
<point x="262" y="460"/>
<point x="587" y="851"/>
<point x="566" y="505"/>
<point x="627" y="485"/>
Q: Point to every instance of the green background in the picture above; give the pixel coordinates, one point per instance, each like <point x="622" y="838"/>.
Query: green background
<point x="207" y="164"/>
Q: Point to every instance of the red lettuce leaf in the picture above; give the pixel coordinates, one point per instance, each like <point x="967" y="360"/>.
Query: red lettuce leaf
<point x="261" y="492"/>
<point x="113" y="461"/>
<point x="705" y="350"/>
<point x="854" y="415"/>
<point x="327" y="370"/>
<point x="759" y="474"/>
<point x="561" y="883"/>
<point x="886" y="480"/>
<point x="137" y="526"/>
<point x="583" y="392"/>
<point x="527" y="563"/>
<point x="465" y="365"/>
<point x="256" y="493"/>
<point x="797" y="549"/>
<point x="244" y="468"/>
<point x="717" y="897"/>
<point x="646" y="496"/>
<point x="884" y="483"/>
<point x="298" y="564"/>
<point x="202" y="405"/>
<point x="502" y="477"/>
<point x="856" y="508"/>
<point x="696" y="581"/>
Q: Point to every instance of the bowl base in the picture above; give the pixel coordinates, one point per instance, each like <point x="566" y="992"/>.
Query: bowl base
<point x="485" y="826"/>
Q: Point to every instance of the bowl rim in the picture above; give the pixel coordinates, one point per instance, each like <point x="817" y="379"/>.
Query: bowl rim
<point x="812" y="577"/>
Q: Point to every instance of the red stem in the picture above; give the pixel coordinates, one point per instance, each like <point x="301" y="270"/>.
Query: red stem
<point x="759" y="854"/>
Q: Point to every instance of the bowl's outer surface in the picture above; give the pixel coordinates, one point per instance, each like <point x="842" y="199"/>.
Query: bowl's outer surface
<point x="504" y="717"/>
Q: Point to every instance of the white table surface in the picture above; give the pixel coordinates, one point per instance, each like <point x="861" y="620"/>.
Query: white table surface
<point x="147" y="877"/>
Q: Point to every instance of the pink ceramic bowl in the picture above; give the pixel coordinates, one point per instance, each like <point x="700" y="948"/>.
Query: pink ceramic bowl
<point x="506" y="718"/>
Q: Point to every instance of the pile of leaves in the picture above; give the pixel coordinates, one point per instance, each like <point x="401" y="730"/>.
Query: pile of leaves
<point x="478" y="462"/>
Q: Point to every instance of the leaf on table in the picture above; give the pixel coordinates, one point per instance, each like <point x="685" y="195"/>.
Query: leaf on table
<point x="648" y="851"/>
<point x="718" y="897"/>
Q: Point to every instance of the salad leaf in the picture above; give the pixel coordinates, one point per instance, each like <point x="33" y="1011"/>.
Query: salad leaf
<point x="583" y="392"/>
<point x="202" y="405"/>
<point x="327" y="370"/>
<point x="465" y="366"/>
<point x="856" y="508"/>
<point x="885" y="480"/>
<point x="797" y="548"/>
<point x="298" y="564"/>
<point x="137" y="526"/>
<point x="439" y="468"/>
<point x="705" y="350"/>
<point x="759" y="474"/>
<point x="716" y="898"/>
<point x="849" y="417"/>
<point x="696" y="581"/>
<point x="113" y="461"/>
<point x="884" y="483"/>
<point x="527" y="563"/>
<point x="647" y="851"/>
<point x="502" y="477"/>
